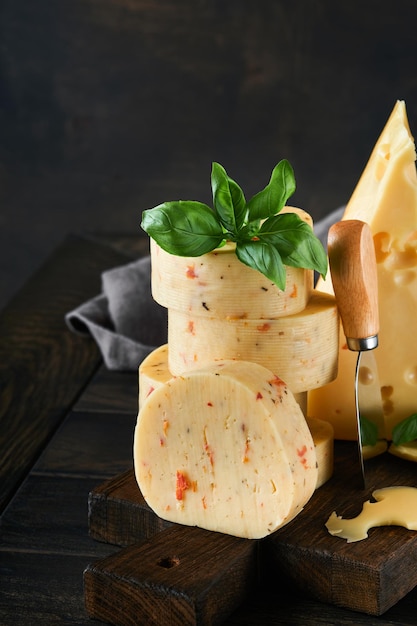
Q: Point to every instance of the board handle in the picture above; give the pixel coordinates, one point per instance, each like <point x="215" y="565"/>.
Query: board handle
<point x="353" y="270"/>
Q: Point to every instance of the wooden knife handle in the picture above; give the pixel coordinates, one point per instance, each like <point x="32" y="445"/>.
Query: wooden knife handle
<point x="354" y="275"/>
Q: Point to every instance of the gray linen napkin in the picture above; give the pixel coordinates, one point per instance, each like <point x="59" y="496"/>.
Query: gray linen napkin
<point x="125" y="321"/>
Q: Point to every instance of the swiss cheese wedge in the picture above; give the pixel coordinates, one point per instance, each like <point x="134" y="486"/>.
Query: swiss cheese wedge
<point x="385" y="198"/>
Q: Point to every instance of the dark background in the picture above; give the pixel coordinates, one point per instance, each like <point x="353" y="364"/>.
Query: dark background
<point x="108" y="107"/>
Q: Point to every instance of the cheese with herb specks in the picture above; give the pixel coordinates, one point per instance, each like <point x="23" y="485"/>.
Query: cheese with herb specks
<point x="302" y="347"/>
<point x="217" y="284"/>
<point x="154" y="373"/>
<point x="226" y="448"/>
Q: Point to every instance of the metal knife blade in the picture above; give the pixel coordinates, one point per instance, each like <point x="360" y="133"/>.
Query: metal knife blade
<point x="354" y="275"/>
<point x="369" y="393"/>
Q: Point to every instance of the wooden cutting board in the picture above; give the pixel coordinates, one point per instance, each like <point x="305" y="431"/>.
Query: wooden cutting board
<point x="368" y="576"/>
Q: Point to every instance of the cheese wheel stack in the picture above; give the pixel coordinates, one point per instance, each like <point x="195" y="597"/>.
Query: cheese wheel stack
<point x="233" y="338"/>
<point x="219" y="308"/>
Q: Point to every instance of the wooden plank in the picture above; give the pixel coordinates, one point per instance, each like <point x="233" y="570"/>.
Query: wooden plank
<point x="46" y="589"/>
<point x="368" y="576"/>
<point x="110" y="391"/>
<point x="49" y="515"/>
<point x="181" y="577"/>
<point x="49" y="510"/>
<point x="43" y="366"/>
<point x="118" y="513"/>
<point x="97" y="444"/>
<point x="41" y="589"/>
<point x="281" y="604"/>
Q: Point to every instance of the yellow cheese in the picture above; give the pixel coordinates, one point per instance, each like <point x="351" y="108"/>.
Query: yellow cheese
<point x="386" y="198"/>
<point x="225" y="448"/>
<point x="406" y="451"/>
<point x="394" y="506"/>
<point x="154" y="373"/>
<point x="302" y="347"/>
<point x="369" y="452"/>
<point x="322" y="434"/>
<point x="219" y="285"/>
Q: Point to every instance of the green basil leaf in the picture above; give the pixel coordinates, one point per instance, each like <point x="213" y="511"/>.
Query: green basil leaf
<point x="229" y="200"/>
<point x="405" y="431"/>
<point x="266" y="240"/>
<point x="249" y="231"/>
<point x="262" y="256"/>
<point x="283" y="231"/>
<point x="184" y="228"/>
<point x="369" y="432"/>
<point x="296" y="242"/>
<point x="274" y="196"/>
<point x="309" y="254"/>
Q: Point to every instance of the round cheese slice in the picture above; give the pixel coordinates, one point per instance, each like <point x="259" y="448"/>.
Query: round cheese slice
<point x="225" y="448"/>
<point x="154" y="372"/>
<point x="302" y="348"/>
<point x="217" y="284"/>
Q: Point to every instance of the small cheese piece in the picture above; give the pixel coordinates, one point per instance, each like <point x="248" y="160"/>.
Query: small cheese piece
<point x="153" y="372"/>
<point x="219" y="285"/>
<point x="394" y="506"/>
<point x="369" y="452"/>
<point x="385" y="198"/>
<point x="406" y="451"/>
<point x="302" y="347"/>
<point x="322" y="434"/>
<point x="225" y="448"/>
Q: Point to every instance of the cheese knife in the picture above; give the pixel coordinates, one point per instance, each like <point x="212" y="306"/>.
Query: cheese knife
<point x="354" y="275"/>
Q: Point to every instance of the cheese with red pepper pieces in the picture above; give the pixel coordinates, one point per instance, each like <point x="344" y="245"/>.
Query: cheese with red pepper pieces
<point x="302" y="347"/>
<point x="217" y="284"/>
<point x="154" y="373"/>
<point x="386" y="198"/>
<point x="225" y="448"/>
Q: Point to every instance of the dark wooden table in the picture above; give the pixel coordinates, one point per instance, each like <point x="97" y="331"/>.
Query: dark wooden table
<point x="66" y="425"/>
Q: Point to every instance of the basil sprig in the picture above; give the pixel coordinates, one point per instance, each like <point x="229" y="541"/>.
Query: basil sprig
<point x="265" y="240"/>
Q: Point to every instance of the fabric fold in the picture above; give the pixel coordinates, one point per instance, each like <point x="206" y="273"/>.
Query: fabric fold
<point x="124" y="320"/>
